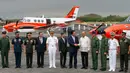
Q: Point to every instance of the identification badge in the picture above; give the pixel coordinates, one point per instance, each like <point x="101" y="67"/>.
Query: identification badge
<point x="19" y="40"/>
<point x="31" y="41"/>
<point x="14" y="40"/>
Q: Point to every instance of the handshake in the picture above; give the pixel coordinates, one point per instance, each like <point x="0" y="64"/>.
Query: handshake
<point x="76" y="44"/>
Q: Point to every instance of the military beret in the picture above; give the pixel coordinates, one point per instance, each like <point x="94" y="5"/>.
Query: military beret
<point x="16" y="32"/>
<point x="29" y="33"/>
<point x="3" y="32"/>
<point x="62" y="33"/>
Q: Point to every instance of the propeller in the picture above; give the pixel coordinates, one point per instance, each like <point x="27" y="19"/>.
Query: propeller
<point x="15" y="26"/>
<point x="100" y="26"/>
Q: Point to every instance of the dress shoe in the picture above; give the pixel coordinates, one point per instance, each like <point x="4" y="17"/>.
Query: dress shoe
<point x="3" y="67"/>
<point x="82" y="67"/>
<point x="42" y="67"/>
<point x="92" y="68"/>
<point x="110" y="69"/>
<point x="38" y="67"/>
<point x="7" y="66"/>
<point x="121" y="70"/>
<point x="103" y="69"/>
<point x="28" y="67"/>
<point x="86" y="68"/>
<point x="65" y="67"/>
<point x="54" y="66"/>
<point x="62" y="67"/>
<point x="95" y="69"/>
<point x="125" y="71"/>
<point x="113" y="70"/>
<point x="50" y="66"/>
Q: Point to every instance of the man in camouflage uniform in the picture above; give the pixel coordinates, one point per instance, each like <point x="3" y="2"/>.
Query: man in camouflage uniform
<point x="124" y="51"/>
<point x="4" y="47"/>
<point x="95" y="51"/>
<point x="103" y="46"/>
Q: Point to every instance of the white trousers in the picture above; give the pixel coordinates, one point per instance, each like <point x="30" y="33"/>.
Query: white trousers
<point x="52" y="56"/>
<point x="112" y="59"/>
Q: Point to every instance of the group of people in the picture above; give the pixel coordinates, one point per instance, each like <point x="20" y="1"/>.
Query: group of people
<point x="112" y="47"/>
<point x="97" y="44"/>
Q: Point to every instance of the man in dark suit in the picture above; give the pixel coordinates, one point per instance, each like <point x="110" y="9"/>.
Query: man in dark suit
<point x="40" y="48"/>
<point x="73" y="49"/>
<point x="63" y="50"/>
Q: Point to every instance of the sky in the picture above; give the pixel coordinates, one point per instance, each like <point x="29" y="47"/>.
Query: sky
<point x="10" y="9"/>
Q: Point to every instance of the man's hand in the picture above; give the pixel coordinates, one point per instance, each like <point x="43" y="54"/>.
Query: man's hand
<point x="128" y="52"/>
<point x="75" y="44"/>
<point x="97" y="52"/>
<point x="105" y="53"/>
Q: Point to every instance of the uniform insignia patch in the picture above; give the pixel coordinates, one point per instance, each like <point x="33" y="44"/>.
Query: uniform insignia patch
<point x="14" y="40"/>
<point x="19" y="40"/>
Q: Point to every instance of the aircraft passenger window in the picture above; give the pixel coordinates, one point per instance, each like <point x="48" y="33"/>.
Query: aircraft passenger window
<point x="38" y="20"/>
<point x="42" y="21"/>
<point x="28" y="20"/>
<point x="35" y="20"/>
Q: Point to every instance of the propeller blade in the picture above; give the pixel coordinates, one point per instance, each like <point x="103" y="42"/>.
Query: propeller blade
<point x="17" y="22"/>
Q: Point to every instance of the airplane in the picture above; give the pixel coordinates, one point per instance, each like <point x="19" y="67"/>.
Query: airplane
<point x="117" y="28"/>
<point x="31" y="24"/>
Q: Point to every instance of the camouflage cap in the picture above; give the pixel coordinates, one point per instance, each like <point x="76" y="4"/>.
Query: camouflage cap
<point x="112" y="34"/>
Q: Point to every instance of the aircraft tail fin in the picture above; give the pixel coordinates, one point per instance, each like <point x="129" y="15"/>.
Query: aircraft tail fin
<point x="73" y="12"/>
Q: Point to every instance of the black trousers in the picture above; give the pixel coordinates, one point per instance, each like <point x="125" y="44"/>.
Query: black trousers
<point x="29" y="58"/>
<point x="84" y="56"/>
<point x="124" y="60"/>
<point x="63" y="59"/>
<point x="18" y="59"/>
<point x="40" y="59"/>
<point x="73" y="55"/>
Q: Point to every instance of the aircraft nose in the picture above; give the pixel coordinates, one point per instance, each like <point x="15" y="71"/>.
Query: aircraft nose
<point x="5" y="27"/>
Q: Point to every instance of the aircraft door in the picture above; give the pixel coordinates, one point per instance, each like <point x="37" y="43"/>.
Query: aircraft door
<point x="48" y="21"/>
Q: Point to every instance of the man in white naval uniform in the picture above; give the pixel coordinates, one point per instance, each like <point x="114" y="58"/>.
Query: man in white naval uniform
<point x="113" y="46"/>
<point x="52" y="45"/>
